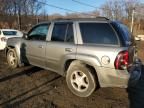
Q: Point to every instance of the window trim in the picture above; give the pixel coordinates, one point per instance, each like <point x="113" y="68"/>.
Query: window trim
<point x="96" y="43"/>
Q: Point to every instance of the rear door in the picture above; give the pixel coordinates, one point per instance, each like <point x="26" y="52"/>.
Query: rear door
<point x="62" y="43"/>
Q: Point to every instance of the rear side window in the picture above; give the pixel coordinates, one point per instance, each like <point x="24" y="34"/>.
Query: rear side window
<point x="98" y="33"/>
<point x="9" y="33"/>
<point x="63" y="33"/>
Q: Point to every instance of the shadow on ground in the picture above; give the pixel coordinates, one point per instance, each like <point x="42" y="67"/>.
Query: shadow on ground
<point x="30" y="92"/>
<point x="136" y="93"/>
<point x="25" y="96"/>
<point x="28" y="72"/>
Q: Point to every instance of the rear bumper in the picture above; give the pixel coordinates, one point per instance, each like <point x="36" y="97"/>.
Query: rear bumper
<point x="119" y="78"/>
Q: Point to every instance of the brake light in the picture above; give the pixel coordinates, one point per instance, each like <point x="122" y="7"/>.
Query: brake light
<point x="3" y="39"/>
<point x="122" y="60"/>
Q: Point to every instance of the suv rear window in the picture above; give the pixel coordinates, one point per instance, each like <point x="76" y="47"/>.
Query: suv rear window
<point x="98" y="33"/>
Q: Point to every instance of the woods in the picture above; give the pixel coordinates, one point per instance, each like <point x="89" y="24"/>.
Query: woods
<point x="22" y="14"/>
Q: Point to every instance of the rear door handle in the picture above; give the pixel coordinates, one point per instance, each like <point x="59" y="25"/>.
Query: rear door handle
<point x="68" y="49"/>
<point x="40" y="46"/>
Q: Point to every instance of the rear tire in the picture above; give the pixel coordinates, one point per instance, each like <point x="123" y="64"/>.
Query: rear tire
<point x="81" y="79"/>
<point x="12" y="58"/>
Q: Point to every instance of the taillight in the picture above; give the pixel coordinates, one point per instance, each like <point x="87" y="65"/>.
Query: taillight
<point x="122" y="60"/>
<point x="3" y="39"/>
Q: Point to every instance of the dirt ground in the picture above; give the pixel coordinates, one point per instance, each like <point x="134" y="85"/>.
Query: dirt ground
<point x="32" y="87"/>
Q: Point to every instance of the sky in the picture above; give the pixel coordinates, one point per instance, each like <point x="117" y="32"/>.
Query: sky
<point x="69" y="4"/>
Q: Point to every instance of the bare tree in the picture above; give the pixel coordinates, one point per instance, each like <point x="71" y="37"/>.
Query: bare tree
<point x="129" y="5"/>
<point x="14" y="10"/>
<point x="107" y="9"/>
<point x="113" y="9"/>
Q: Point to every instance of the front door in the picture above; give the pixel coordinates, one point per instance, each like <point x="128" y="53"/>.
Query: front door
<point x="35" y="45"/>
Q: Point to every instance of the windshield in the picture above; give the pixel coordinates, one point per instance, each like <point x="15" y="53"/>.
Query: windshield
<point x="9" y="33"/>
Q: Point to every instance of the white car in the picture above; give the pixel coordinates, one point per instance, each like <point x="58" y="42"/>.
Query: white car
<point x="8" y="33"/>
<point x="141" y="37"/>
<point x="137" y="38"/>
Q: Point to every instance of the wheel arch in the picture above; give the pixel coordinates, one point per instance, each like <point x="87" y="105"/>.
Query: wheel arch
<point x="17" y="50"/>
<point x="87" y="59"/>
<point x="88" y="64"/>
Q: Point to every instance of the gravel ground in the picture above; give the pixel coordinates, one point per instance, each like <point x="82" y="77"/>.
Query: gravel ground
<point x="33" y="87"/>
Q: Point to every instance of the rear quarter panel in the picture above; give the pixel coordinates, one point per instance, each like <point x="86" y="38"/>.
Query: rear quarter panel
<point x="96" y="56"/>
<point x="100" y="54"/>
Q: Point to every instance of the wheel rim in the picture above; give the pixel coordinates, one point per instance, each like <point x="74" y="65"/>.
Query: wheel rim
<point x="79" y="81"/>
<point x="11" y="58"/>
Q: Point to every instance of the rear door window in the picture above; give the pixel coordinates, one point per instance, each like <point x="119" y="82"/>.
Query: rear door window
<point x="59" y="32"/>
<point x="98" y="33"/>
<point x="63" y="32"/>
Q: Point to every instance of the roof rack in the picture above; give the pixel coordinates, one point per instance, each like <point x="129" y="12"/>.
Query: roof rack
<point x="102" y="18"/>
<point x="96" y="18"/>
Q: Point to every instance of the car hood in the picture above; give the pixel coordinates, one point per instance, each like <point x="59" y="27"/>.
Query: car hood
<point x="14" y="40"/>
<point x="12" y="36"/>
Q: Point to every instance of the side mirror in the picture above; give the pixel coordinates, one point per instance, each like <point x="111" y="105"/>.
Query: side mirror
<point x="25" y="36"/>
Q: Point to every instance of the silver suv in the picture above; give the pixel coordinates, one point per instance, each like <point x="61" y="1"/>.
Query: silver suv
<point x="88" y="52"/>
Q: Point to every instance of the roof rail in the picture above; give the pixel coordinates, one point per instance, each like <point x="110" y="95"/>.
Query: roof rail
<point x="102" y="18"/>
<point x="96" y="18"/>
<point x="59" y="19"/>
